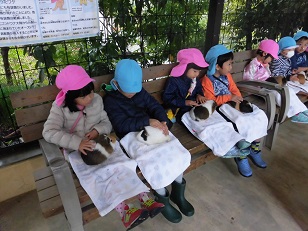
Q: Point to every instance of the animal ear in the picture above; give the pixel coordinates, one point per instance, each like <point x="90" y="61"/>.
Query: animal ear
<point x="144" y="135"/>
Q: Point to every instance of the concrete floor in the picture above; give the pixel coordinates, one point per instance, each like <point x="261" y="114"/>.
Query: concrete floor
<point x="273" y="199"/>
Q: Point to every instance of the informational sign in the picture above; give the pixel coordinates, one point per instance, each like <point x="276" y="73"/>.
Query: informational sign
<point x="36" y="21"/>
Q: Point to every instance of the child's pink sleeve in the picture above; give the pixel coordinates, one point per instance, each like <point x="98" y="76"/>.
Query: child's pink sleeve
<point x="249" y="72"/>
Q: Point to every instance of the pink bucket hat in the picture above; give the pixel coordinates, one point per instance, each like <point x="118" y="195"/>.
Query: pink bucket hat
<point x="72" y="77"/>
<point x="269" y="46"/>
<point x="186" y="56"/>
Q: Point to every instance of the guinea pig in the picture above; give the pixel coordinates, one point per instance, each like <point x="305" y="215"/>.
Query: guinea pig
<point x="150" y="135"/>
<point x="301" y="77"/>
<point x="203" y="111"/>
<point x="244" y="106"/>
<point x="103" y="149"/>
<point x="282" y="81"/>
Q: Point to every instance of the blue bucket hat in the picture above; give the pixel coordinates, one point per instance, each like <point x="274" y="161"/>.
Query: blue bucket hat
<point x="212" y="55"/>
<point x="128" y="75"/>
<point x="300" y="34"/>
<point x="286" y="43"/>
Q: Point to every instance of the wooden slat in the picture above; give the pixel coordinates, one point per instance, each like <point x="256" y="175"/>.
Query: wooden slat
<point x="238" y="67"/>
<point x="33" y="96"/>
<point x="33" y="114"/>
<point x="32" y="132"/>
<point x="243" y="55"/>
<point x="237" y="77"/>
<point x="154" y="86"/>
<point x="45" y="183"/>
<point x="42" y="173"/>
<point x="51" y="207"/>
<point x="157" y="71"/>
<point x="90" y="214"/>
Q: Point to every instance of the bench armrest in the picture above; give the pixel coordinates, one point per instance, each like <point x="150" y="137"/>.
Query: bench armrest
<point x="268" y="97"/>
<point x="282" y="90"/>
<point x="65" y="183"/>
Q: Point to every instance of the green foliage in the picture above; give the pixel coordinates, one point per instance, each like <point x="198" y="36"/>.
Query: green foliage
<point x="151" y="31"/>
<point x="272" y="19"/>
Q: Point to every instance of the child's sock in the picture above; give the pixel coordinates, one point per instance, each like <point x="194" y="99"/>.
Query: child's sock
<point x="120" y="208"/>
<point x="255" y="146"/>
<point x="179" y="179"/>
<point x="161" y="191"/>
<point x="142" y="197"/>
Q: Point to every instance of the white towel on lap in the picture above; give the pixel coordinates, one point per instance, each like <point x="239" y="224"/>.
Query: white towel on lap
<point x="297" y="87"/>
<point x="252" y="125"/>
<point x="160" y="164"/>
<point x="215" y="132"/>
<point x="110" y="182"/>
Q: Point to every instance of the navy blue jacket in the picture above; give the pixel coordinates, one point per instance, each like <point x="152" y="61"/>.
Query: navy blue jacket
<point x="175" y="92"/>
<point x="132" y="114"/>
<point x="299" y="60"/>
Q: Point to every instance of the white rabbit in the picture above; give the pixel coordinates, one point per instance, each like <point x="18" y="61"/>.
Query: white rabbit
<point x="150" y="135"/>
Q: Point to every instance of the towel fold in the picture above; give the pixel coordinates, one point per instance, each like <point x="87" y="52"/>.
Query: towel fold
<point x="110" y="182"/>
<point x="297" y="87"/>
<point x="252" y="125"/>
<point x="160" y="164"/>
<point x="218" y="134"/>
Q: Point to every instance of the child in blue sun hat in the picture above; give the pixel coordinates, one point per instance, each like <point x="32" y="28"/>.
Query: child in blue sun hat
<point x="219" y="86"/>
<point x="300" y="60"/>
<point x="130" y="108"/>
<point x="282" y="66"/>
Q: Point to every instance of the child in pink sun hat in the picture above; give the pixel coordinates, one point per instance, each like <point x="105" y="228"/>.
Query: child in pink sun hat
<point x="183" y="89"/>
<point x="258" y="68"/>
<point x="76" y="118"/>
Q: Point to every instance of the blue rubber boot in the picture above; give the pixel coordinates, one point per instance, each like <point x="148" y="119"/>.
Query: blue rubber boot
<point x="256" y="158"/>
<point x="243" y="167"/>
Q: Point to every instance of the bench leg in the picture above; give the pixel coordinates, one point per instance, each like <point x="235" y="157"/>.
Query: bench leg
<point x="69" y="196"/>
<point x="271" y="136"/>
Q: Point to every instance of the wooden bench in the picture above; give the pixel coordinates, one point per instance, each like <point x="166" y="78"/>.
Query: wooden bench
<point x="57" y="186"/>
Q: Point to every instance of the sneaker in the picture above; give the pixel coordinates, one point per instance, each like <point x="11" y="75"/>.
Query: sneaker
<point x="134" y="216"/>
<point x="305" y="112"/>
<point x="153" y="207"/>
<point x="243" y="167"/>
<point x="256" y="158"/>
<point x="300" y="118"/>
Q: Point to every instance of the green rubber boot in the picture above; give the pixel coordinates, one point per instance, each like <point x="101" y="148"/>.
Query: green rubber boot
<point x="169" y="212"/>
<point x="177" y="196"/>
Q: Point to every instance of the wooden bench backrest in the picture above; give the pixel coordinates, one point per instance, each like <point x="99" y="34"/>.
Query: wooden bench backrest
<point x="32" y="106"/>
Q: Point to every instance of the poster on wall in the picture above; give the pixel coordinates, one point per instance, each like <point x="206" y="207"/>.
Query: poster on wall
<point x="25" y="22"/>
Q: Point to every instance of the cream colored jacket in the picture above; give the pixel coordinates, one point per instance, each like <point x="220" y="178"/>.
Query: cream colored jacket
<point x="60" y="121"/>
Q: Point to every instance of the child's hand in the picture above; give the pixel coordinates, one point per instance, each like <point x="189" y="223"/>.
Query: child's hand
<point x="160" y="125"/>
<point x="294" y="78"/>
<point x="191" y="103"/>
<point x="92" y="134"/>
<point x="86" y="145"/>
<point x="201" y="99"/>
<point x="236" y="98"/>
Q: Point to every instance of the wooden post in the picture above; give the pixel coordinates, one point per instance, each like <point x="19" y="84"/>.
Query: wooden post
<point x="213" y="24"/>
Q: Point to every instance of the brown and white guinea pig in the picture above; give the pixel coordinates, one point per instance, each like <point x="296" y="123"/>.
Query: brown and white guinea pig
<point x="103" y="149"/>
<point x="282" y="81"/>
<point x="301" y="77"/>
<point x="150" y="135"/>
<point x="244" y="106"/>
<point x="203" y="111"/>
